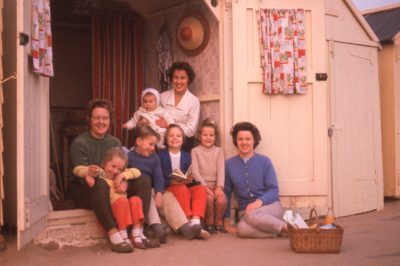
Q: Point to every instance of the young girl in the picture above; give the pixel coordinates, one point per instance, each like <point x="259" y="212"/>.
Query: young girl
<point x="127" y="212"/>
<point x="191" y="195"/>
<point x="208" y="168"/>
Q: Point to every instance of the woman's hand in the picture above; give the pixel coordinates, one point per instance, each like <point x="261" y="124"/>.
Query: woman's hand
<point x="252" y="206"/>
<point x="93" y="170"/>
<point x="120" y="183"/>
<point x="161" y="122"/>
<point x="159" y="199"/>
<point x="209" y="191"/>
<point x="219" y="192"/>
<point x="89" y="180"/>
<point x="228" y="227"/>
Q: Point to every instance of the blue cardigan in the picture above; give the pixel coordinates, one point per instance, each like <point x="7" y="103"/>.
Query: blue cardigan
<point x="166" y="165"/>
<point x="250" y="180"/>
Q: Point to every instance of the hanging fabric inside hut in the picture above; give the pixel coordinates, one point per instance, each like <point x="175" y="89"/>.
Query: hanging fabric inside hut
<point x="164" y="57"/>
<point x="283" y="51"/>
<point x="118" y="66"/>
<point x="42" y="53"/>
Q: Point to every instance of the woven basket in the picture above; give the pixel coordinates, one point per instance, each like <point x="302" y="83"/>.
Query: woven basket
<point x="316" y="240"/>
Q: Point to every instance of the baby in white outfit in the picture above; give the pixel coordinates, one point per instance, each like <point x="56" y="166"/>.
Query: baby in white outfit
<point x="150" y="111"/>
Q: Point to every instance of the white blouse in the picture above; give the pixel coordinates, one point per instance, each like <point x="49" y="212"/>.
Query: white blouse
<point x="186" y="113"/>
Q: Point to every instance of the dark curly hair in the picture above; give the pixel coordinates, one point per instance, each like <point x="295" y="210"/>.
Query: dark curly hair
<point x="246" y="126"/>
<point x="98" y="103"/>
<point x="182" y="65"/>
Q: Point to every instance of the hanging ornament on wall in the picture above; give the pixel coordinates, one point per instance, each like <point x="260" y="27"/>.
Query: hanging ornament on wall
<point x="193" y="34"/>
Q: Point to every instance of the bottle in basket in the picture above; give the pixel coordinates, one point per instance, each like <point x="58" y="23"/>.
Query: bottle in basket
<point x="329" y="217"/>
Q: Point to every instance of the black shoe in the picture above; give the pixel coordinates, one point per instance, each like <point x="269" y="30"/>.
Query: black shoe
<point x="159" y="233"/>
<point x="151" y="243"/>
<point x="190" y="231"/>
<point x="211" y="229"/>
<point x="220" y="229"/>
<point x="122" y="247"/>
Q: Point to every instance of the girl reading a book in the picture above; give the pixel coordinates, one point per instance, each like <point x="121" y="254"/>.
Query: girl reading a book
<point x="208" y="167"/>
<point x="144" y="158"/>
<point x="127" y="212"/>
<point x="191" y="195"/>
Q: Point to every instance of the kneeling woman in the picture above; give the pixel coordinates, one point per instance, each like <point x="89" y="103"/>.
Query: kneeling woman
<point x="252" y="177"/>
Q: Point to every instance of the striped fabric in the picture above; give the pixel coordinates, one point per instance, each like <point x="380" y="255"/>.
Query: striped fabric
<point x="117" y="42"/>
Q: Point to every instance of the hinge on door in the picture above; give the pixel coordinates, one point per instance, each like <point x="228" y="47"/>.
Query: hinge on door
<point x="330" y="132"/>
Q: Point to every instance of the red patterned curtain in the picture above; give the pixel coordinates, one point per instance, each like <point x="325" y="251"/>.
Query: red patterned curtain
<point x="118" y="66"/>
<point x="283" y="51"/>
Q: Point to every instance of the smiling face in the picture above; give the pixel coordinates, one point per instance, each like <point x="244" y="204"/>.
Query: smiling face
<point x="180" y="81"/>
<point x="149" y="102"/>
<point x="245" y="143"/>
<point x="146" y="146"/>
<point x="114" y="167"/>
<point x="99" y="122"/>
<point x="174" y="138"/>
<point x="207" y="137"/>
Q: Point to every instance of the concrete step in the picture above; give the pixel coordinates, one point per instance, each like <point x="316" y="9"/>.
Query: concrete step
<point x="77" y="228"/>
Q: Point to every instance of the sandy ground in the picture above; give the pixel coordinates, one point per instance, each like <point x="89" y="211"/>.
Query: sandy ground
<point x="369" y="239"/>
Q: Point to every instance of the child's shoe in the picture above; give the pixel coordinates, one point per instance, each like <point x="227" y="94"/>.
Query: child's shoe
<point x="203" y="234"/>
<point x="211" y="229"/>
<point x="220" y="229"/>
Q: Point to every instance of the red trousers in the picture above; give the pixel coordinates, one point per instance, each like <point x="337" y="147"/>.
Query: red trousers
<point x="127" y="212"/>
<point x="192" y="199"/>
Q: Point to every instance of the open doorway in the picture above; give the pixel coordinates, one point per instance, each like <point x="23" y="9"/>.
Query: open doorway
<point x="72" y="86"/>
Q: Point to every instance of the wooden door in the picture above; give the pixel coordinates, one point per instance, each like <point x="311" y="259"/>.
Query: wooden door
<point x="355" y="116"/>
<point x="32" y="137"/>
<point x="293" y="127"/>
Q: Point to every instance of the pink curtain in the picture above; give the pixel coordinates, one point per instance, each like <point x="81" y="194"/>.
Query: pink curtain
<point x="42" y="52"/>
<point x="283" y="52"/>
<point x="118" y="66"/>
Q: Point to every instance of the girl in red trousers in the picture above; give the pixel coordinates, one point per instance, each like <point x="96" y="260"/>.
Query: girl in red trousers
<point x="127" y="212"/>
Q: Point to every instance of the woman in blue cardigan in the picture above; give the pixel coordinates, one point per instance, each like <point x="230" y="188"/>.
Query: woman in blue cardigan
<point x="252" y="177"/>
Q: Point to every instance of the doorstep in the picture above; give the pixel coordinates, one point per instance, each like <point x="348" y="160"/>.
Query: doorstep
<point x="77" y="228"/>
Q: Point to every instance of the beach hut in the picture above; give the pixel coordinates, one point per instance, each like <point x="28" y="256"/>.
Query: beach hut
<point x="323" y="137"/>
<point x="385" y="22"/>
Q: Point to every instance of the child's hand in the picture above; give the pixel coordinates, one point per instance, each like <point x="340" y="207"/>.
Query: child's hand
<point x="159" y="199"/>
<point x="89" y="180"/>
<point x="93" y="170"/>
<point x="209" y="191"/>
<point x="120" y="183"/>
<point x="228" y="227"/>
<point x="125" y="125"/>
<point x="219" y="192"/>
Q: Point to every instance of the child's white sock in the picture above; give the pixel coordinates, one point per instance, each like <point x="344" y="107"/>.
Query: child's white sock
<point x="124" y="235"/>
<point x="116" y="238"/>
<point x="137" y="234"/>
<point x="194" y="221"/>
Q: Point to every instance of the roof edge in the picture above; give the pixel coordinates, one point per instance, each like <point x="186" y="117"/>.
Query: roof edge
<point x="363" y="22"/>
<point x="380" y="9"/>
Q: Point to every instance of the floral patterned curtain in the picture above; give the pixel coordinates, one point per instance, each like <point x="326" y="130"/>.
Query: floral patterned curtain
<point x="42" y="52"/>
<point x="283" y="52"/>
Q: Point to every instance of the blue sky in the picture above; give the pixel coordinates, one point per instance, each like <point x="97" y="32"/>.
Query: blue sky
<point x="368" y="4"/>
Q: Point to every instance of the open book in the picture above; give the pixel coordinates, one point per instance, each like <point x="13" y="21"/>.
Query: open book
<point x="178" y="175"/>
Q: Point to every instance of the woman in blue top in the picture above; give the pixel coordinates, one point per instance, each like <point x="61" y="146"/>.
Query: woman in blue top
<point x="252" y="177"/>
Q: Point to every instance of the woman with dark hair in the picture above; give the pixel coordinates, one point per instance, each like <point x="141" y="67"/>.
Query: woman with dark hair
<point x="182" y="105"/>
<point x="88" y="149"/>
<point x="253" y="179"/>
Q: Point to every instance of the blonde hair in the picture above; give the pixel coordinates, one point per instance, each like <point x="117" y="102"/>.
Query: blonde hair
<point x="207" y="123"/>
<point x="114" y="152"/>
